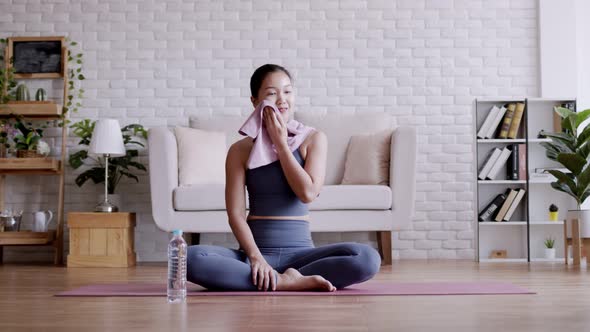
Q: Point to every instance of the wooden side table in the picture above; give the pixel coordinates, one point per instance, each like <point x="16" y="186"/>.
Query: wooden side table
<point x="101" y="239"/>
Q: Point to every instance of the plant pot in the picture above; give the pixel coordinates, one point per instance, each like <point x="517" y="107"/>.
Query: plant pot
<point x="28" y="154"/>
<point x="550" y="253"/>
<point x="554" y="216"/>
<point x="584" y="220"/>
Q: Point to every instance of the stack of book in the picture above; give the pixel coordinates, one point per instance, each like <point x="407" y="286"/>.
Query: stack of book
<point x="503" y="206"/>
<point x="513" y="155"/>
<point x="502" y="122"/>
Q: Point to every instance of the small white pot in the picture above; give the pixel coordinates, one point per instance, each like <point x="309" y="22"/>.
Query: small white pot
<point x="550" y="253"/>
<point x="584" y="217"/>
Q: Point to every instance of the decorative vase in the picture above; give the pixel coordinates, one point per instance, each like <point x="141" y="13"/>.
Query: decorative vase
<point x="550" y="253"/>
<point x="554" y="216"/>
<point x="28" y="154"/>
<point x="583" y="217"/>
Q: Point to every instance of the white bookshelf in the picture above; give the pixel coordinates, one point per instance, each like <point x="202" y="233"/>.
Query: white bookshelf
<point x="524" y="235"/>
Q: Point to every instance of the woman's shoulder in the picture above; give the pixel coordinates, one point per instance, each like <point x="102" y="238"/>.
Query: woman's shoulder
<point x="315" y="138"/>
<point x="240" y="150"/>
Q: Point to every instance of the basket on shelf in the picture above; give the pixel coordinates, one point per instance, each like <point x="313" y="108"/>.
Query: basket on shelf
<point x="28" y="154"/>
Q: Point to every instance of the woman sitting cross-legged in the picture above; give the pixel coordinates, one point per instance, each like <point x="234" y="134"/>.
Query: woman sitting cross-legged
<point x="282" y="163"/>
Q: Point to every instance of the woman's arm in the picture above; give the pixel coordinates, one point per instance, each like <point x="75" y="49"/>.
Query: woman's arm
<point x="235" y="199"/>
<point x="306" y="182"/>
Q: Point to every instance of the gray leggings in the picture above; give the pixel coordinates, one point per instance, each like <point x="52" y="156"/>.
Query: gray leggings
<point x="284" y="244"/>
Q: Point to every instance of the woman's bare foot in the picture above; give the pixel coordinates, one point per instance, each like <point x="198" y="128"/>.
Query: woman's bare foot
<point x="292" y="280"/>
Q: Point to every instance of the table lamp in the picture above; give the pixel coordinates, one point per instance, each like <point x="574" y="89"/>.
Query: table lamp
<point x="107" y="140"/>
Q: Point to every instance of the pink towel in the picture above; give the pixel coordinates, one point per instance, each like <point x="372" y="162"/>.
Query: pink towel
<point x="264" y="152"/>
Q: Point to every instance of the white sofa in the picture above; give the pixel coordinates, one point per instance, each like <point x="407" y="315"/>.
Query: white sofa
<point x="339" y="208"/>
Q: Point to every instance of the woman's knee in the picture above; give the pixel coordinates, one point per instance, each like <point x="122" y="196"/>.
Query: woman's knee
<point x="367" y="260"/>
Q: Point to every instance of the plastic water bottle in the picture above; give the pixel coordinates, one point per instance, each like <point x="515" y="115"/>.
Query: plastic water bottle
<point x="177" y="268"/>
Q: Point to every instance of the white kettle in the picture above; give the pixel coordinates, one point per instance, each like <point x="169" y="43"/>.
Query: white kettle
<point x="41" y="220"/>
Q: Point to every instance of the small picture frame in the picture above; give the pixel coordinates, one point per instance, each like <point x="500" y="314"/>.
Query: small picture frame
<point x="37" y="57"/>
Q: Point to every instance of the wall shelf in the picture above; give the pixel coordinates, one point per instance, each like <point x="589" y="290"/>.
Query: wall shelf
<point x="26" y="238"/>
<point x="31" y="109"/>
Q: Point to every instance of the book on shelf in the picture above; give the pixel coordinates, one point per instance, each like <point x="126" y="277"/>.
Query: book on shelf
<point x="517" y="199"/>
<point x="522" y="169"/>
<point x="483" y="130"/>
<point x="516" y="120"/>
<point x="488" y="163"/>
<point x="509" y="198"/>
<point x="500" y="162"/>
<point x="492" y="207"/>
<point x="507" y="121"/>
<point x="512" y="164"/>
<point x="494" y="127"/>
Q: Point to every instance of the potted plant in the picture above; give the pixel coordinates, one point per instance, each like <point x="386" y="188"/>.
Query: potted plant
<point x="571" y="148"/>
<point x="550" y="248"/>
<point x="553" y="212"/>
<point x="119" y="167"/>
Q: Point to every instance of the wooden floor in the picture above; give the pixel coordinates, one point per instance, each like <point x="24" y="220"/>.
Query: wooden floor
<point x="562" y="303"/>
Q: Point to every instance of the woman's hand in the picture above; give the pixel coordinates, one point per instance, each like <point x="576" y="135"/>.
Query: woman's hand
<point x="275" y="126"/>
<point x="263" y="274"/>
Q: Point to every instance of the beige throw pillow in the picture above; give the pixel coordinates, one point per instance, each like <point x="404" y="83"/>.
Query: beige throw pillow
<point x="367" y="159"/>
<point x="201" y="156"/>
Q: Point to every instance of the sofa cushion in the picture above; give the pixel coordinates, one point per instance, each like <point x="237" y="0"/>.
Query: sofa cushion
<point x="229" y="124"/>
<point x="201" y="156"/>
<point x="367" y="159"/>
<point x="332" y="125"/>
<point x="353" y="197"/>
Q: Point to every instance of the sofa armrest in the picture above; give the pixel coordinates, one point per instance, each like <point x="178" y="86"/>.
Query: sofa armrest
<point x="402" y="174"/>
<point x="163" y="163"/>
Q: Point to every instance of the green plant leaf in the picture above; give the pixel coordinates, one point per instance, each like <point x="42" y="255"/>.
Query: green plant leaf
<point x="564" y="179"/>
<point x="573" y="162"/>
<point x="564" y="188"/>
<point x="96" y="174"/>
<point x="563" y="138"/>
<point x="77" y="159"/>
<point x="582" y="116"/>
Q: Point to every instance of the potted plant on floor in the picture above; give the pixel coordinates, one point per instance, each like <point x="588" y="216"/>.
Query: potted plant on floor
<point x="119" y="167"/>
<point x="571" y="148"/>
<point x="550" y="248"/>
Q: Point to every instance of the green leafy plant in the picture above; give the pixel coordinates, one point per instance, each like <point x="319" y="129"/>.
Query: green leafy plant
<point x="75" y="74"/>
<point x="553" y="208"/>
<point x="7" y="80"/>
<point x="29" y="136"/>
<point x="118" y="166"/>
<point x="570" y="148"/>
<point x="549" y="243"/>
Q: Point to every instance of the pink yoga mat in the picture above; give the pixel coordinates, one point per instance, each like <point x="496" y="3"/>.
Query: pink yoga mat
<point x="372" y="288"/>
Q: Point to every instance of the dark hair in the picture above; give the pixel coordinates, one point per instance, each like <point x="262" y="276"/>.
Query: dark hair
<point x="260" y="74"/>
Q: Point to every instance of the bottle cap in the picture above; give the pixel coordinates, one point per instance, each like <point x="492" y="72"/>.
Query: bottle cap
<point x="177" y="232"/>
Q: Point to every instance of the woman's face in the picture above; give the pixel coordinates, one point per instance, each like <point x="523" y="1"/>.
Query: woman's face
<point x="276" y="88"/>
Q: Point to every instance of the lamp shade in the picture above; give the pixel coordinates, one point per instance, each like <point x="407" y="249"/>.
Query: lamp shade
<point x="107" y="138"/>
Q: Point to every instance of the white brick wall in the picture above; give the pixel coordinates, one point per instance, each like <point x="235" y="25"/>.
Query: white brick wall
<point x="155" y="62"/>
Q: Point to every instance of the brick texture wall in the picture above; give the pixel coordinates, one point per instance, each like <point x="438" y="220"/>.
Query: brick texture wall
<point x="156" y="62"/>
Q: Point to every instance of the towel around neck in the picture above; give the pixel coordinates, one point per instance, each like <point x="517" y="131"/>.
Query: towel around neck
<point x="263" y="151"/>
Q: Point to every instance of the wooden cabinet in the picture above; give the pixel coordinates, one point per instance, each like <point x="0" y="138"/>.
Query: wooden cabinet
<point x="101" y="239"/>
